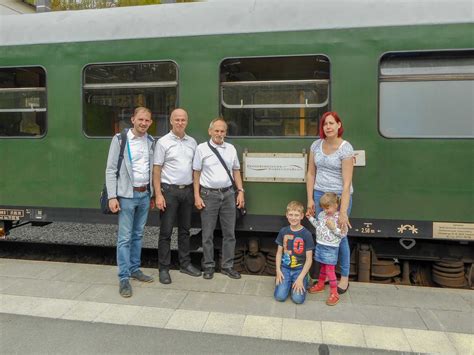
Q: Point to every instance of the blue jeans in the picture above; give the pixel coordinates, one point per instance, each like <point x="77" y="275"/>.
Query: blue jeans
<point x="132" y="219"/>
<point x="284" y="288"/>
<point x="344" y="251"/>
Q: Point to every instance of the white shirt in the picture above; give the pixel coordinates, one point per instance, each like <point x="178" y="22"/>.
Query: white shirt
<point x="213" y="174"/>
<point x="139" y="157"/>
<point x="175" y="156"/>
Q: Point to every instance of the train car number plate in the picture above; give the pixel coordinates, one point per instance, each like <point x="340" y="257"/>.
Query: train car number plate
<point x="463" y="231"/>
<point x="11" y="214"/>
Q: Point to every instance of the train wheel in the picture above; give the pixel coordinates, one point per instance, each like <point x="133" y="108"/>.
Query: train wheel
<point x="447" y="273"/>
<point x="255" y="264"/>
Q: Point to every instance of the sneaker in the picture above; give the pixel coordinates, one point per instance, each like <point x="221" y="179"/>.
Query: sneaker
<point x="317" y="288"/>
<point x="125" y="289"/>
<point x="230" y="272"/>
<point x="140" y="276"/>
<point x="191" y="270"/>
<point x="332" y="299"/>
<point x="165" y="277"/>
<point x="208" y="274"/>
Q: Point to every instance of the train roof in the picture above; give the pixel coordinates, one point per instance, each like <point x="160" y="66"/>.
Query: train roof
<point x="226" y="17"/>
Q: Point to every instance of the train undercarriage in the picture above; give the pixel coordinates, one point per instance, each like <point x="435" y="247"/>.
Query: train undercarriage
<point x="376" y="261"/>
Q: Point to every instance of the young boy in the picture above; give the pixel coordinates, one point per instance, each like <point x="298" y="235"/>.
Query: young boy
<point x="294" y="256"/>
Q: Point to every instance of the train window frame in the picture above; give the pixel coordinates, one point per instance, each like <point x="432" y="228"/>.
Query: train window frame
<point x="221" y="105"/>
<point x="145" y="85"/>
<point x="421" y="77"/>
<point x="46" y="105"/>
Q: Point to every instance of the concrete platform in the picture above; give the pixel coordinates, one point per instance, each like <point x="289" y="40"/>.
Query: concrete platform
<point x="371" y="316"/>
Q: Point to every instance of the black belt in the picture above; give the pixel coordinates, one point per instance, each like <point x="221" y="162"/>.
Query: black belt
<point x="141" y="188"/>
<point x="177" y="186"/>
<point x="222" y="189"/>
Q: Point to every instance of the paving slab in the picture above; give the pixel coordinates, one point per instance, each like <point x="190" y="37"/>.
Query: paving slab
<point x="343" y="334"/>
<point x="392" y="317"/>
<point x="238" y="304"/>
<point x="181" y="281"/>
<point x="386" y="338"/>
<point x="142" y="296"/>
<point x="6" y="282"/>
<point x="46" y="288"/>
<point x="427" y="341"/>
<point x="30" y="268"/>
<point x="224" y="323"/>
<point x="259" y="287"/>
<point x="118" y="314"/>
<point x="318" y="310"/>
<point x="262" y="327"/>
<point x="103" y="274"/>
<point x="52" y="307"/>
<point x="464" y="343"/>
<point x="187" y="320"/>
<point x="18" y="304"/>
<point x="85" y="311"/>
<point x="302" y="330"/>
<point x="152" y="317"/>
<point x="448" y="321"/>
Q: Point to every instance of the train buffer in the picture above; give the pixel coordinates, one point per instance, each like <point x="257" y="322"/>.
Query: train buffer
<point x="378" y="317"/>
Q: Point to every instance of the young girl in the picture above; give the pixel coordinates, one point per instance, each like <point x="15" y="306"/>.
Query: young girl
<point x="328" y="238"/>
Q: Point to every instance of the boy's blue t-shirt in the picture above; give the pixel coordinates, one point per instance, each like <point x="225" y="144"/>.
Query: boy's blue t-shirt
<point x="295" y="245"/>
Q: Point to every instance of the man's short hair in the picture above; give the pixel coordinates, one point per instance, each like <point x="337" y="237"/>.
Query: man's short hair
<point x="215" y="120"/>
<point x="295" y="206"/>
<point x="141" y="108"/>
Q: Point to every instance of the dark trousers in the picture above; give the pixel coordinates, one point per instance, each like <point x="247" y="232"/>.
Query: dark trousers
<point x="179" y="205"/>
<point x="218" y="205"/>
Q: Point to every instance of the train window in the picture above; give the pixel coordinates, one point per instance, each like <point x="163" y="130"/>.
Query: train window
<point x="274" y="96"/>
<point x="22" y="102"/>
<point x="427" y="95"/>
<point x="112" y="91"/>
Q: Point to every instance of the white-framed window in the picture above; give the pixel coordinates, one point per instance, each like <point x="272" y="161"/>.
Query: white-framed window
<point x="274" y="96"/>
<point x="23" y="106"/>
<point x="111" y="92"/>
<point x="427" y="94"/>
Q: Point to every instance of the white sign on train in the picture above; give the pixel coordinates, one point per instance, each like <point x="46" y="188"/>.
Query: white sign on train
<point x="359" y="157"/>
<point x="275" y="167"/>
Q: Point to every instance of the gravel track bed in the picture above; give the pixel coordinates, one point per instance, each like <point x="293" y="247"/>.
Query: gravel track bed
<point x="84" y="234"/>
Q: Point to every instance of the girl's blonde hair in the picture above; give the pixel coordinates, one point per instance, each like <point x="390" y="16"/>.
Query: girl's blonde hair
<point x="329" y="199"/>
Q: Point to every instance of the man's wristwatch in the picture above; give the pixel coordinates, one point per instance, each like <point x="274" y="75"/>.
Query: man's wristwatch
<point x="240" y="190"/>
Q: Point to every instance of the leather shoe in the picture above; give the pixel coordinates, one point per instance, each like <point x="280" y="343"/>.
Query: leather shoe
<point x="165" y="277"/>
<point x="230" y="272"/>
<point x="208" y="274"/>
<point x="191" y="270"/>
<point x="342" y="290"/>
<point x="125" y="289"/>
<point x="140" y="276"/>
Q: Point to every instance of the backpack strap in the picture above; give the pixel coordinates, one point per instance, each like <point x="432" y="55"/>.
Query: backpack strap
<point x="216" y="152"/>
<point x="123" y="142"/>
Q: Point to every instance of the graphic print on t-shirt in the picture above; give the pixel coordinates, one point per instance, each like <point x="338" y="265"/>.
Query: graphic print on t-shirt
<point x="294" y="251"/>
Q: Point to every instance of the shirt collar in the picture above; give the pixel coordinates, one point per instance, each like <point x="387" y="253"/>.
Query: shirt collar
<point x="131" y="136"/>
<point x="223" y="145"/>
<point x="185" y="137"/>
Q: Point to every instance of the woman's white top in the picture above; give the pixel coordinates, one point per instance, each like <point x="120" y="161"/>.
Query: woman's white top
<point x="329" y="166"/>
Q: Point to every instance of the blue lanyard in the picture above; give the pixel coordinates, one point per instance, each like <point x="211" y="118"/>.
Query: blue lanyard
<point x="129" y="151"/>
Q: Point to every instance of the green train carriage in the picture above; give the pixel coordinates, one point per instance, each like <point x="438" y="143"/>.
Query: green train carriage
<point x="401" y="78"/>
